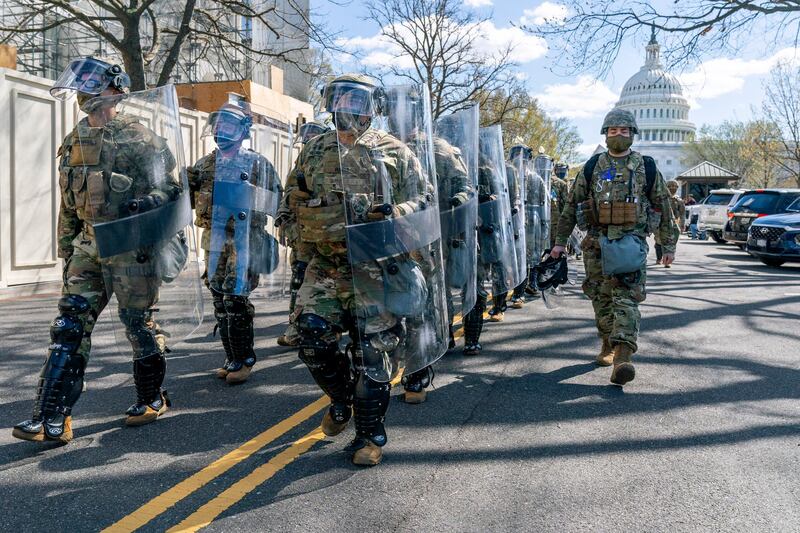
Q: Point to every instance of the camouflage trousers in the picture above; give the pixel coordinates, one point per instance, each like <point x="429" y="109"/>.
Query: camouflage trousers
<point x="329" y="291"/>
<point x="494" y="273"/>
<point x="615" y="299"/>
<point x="135" y="285"/>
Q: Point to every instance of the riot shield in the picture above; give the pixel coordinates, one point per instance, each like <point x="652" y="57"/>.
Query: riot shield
<point x="243" y="248"/>
<point x="517" y="178"/>
<point x="456" y="145"/>
<point x="131" y="180"/>
<point x="495" y="227"/>
<point x="540" y="203"/>
<point x="393" y="238"/>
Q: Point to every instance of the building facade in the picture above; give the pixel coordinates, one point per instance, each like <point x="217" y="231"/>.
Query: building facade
<point x="656" y="99"/>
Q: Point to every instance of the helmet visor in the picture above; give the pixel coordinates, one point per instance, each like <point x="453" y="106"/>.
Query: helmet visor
<point x="87" y="75"/>
<point x="226" y="126"/>
<point x="309" y="131"/>
<point x="352" y="98"/>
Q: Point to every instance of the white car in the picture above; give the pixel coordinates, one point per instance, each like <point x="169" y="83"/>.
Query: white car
<point x="713" y="211"/>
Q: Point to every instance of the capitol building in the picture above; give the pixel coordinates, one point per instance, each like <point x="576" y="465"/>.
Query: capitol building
<point x="655" y="97"/>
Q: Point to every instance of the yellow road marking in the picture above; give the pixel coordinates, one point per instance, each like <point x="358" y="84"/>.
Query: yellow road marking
<point x="211" y="510"/>
<point x="161" y="503"/>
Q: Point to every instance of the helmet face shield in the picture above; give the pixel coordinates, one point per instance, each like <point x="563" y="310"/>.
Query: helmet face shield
<point x="88" y="76"/>
<point x="310" y="130"/>
<point x="350" y="98"/>
<point x="228" y="125"/>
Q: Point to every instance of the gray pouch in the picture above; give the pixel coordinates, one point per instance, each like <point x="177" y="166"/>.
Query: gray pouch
<point x="405" y="291"/>
<point x="622" y="256"/>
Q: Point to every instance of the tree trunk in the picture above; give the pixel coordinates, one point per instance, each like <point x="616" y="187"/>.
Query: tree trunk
<point x="132" y="53"/>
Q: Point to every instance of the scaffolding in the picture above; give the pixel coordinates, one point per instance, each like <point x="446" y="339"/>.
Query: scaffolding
<point x="201" y="59"/>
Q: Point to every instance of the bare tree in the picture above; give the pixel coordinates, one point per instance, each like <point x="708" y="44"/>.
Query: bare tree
<point x="153" y="38"/>
<point x="524" y="121"/>
<point x="441" y="38"/>
<point x="748" y="149"/>
<point x="781" y="107"/>
<point x="588" y="35"/>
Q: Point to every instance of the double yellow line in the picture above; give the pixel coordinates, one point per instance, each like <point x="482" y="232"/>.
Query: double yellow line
<point x="208" y="512"/>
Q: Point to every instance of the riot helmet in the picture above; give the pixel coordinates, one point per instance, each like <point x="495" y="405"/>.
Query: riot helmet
<point x="353" y="100"/>
<point x="229" y="126"/>
<point x="520" y="149"/>
<point x="403" y="107"/>
<point x="551" y="272"/>
<point x="89" y="76"/>
<point x="560" y="170"/>
<point x="309" y="130"/>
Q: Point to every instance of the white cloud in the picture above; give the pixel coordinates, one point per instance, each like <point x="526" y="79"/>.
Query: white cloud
<point x="477" y="3"/>
<point x="718" y="77"/>
<point x="379" y="51"/>
<point x="586" y="98"/>
<point x="546" y="12"/>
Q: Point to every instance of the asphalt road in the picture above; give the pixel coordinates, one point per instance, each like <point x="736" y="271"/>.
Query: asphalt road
<point x="529" y="436"/>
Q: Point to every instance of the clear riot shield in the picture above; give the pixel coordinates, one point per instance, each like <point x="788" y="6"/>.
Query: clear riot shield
<point x="543" y="168"/>
<point x="243" y="248"/>
<point x="516" y="187"/>
<point x="132" y="181"/>
<point x="456" y="136"/>
<point x="394" y="239"/>
<point x="495" y="227"/>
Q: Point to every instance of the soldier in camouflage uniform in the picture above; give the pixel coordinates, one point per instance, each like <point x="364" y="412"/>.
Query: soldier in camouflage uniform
<point x="617" y="199"/>
<point x="288" y="223"/>
<point x="234" y="313"/>
<point x="453" y="191"/>
<point x="500" y="296"/>
<point x="558" y="198"/>
<point x="105" y="167"/>
<point x="678" y="211"/>
<point x="326" y="302"/>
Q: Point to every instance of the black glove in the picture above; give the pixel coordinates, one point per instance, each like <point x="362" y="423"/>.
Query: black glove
<point x="144" y="204"/>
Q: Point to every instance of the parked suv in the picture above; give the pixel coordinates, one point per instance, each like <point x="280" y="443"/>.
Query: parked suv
<point x="775" y="239"/>
<point x="713" y="212"/>
<point x="752" y="205"/>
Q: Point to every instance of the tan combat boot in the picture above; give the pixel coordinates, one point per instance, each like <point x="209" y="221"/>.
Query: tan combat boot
<point x="623" y="368"/>
<point x="141" y="414"/>
<point x="415" y="397"/>
<point x="34" y="431"/>
<point x="369" y="455"/>
<point x="331" y="427"/>
<point x="606" y="355"/>
<point x="238" y="376"/>
<point x="222" y="372"/>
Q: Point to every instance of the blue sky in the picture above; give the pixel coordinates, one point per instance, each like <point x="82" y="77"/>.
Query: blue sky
<point x="719" y="88"/>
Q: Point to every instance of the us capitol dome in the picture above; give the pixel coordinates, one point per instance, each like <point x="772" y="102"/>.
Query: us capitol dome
<point x="656" y="98"/>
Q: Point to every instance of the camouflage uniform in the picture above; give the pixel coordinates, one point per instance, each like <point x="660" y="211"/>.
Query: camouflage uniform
<point x="558" y="198"/>
<point x="616" y="298"/>
<point x="234" y="314"/>
<point x="679" y="212"/>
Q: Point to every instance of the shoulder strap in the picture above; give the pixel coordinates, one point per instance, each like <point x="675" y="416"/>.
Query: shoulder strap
<point x="649" y="174"/>
<point x="588" y="169"/>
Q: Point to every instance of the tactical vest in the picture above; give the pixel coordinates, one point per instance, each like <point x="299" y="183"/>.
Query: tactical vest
<point x="102" y="169"/>
<point x="620" y="192"/>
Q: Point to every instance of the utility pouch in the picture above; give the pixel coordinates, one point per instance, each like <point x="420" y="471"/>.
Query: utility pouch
<point x="604" y="212"/>
<point x="623" y="213"/>
<point x="622" y="256"/>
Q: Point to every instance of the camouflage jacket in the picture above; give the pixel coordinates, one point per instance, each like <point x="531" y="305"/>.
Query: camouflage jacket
<point x="616" y="189"/>
<point x="101" y="170"/>
<point x="377" y="169"/>
<point x="201" y="182"/>
<point x="558" y="198"/>
<point x="678" y="210"/>
<point x="451" y="174"/>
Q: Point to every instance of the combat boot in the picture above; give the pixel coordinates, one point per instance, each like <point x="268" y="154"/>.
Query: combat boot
<point x="623" y="371"/>
<point x="517" y="302"/>
<point x="336" y="419"/>
<point x="239" y="372"/>
<point x="415" y="385"/>
<point x="151" y="400"/>
<point x="369" y="455"/>
<point x="34" y="430"/>
<point x="472" y="348"/>
<point x="606" y="355"/>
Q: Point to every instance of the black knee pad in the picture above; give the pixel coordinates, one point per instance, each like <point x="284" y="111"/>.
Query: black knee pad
<point x="141" y="335"/>
<point x="67" y="330"/>
<point x="473" y="321"/>
<point x="319" y="350"/>
<point x="217" y="299"/>
<point x="370" y="402"/>
<point x="240" y="328"/>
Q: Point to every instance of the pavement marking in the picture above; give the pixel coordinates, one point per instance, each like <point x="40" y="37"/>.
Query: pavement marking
<point x="236" y="492"/>
<point x="161" y="503"/>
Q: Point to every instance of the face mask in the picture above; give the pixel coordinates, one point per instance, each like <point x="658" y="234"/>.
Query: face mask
<point x="224" y="144"/>
<point x="618" y="143"/>
<point x="561" y="173"/>
<point x="349" y="123"/>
